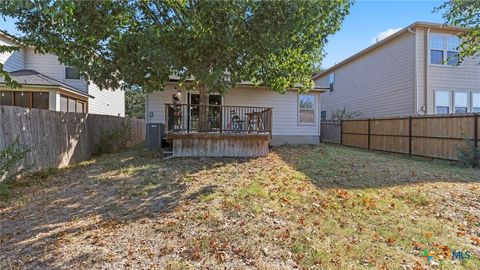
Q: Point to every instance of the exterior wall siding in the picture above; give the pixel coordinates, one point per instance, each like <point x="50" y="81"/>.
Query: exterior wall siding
<point x="380" y="83"/>
<point x="421" y="80"/>
<point x="106" y="102"/>
<point x="285" y="115"/>
<point x="49" y="65"/>
<point x="11" y="60"/>
<point x="465" y="77"/>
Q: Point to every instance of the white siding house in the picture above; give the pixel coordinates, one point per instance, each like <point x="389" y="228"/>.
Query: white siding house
<point x="287" y="128"/>
<point x="45" y="84"/>
<point x="397" y="76"/>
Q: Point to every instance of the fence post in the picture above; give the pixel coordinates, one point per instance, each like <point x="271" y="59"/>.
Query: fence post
<point x="475" y="132"/>
<point x="368" y="133"/>
<point x="341" y="132"/>
<point x="410" y="135"/>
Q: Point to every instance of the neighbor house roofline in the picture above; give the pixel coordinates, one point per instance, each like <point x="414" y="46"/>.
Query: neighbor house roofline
<point x="10" y="37"/>
<point x="389" y="39"/>
<point x="250" y="84"/>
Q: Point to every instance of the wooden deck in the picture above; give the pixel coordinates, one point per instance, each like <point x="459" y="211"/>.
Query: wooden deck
<point x="219" y="145"/>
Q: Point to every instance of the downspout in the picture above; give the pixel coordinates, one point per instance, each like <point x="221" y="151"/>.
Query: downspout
<point x="147" y="115"/>
<point x="415" y="87"/>
<point x="319" y="113"/>
<point x="426" y="45"/>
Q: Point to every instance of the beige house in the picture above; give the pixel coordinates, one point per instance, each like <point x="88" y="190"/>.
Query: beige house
<point x="48" y="84"/>
<point x="290" y="118"/>
<point x="411" y="72"/>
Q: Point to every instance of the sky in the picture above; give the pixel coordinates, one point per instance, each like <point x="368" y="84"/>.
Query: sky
<point x="367" y="21"/>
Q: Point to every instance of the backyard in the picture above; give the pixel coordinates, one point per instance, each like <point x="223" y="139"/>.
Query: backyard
<point x="325" y="207"/>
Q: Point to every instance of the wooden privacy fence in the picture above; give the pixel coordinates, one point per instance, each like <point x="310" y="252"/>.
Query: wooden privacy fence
<point x="57" y="139"/>
<point x="437" y="136"/>
<point x="330" y="131"/>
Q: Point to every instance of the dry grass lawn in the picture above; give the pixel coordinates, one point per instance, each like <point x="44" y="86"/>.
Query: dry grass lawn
<point x="324" y="207"/>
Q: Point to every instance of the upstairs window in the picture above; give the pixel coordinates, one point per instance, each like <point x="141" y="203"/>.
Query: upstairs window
<point x="323" y="115"/>
<point x="444" y="50"/>
<point x="72" y="73"/>
<point x="453" y="44"/>
<point x="306" y="109"/>
<point x="331" y="80"/>
<point x="442" y="102"/>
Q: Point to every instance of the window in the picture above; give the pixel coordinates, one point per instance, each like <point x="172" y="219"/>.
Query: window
<point x="476" y="102"/>
<point x="72" y="73"/>
<point x="444" y="50"/>
<point x="40" y="100"/>
<point x="331" y="80"/>
<point x="436" y="49"/>
<point x="323" y="115"/>
<point x="63" y="104"/>
<point x="453" y="43"/>
<point x="6" y="98"/>
<point x="442" y="102"/>
<point x="461" y="102"/>
<point x="71" y="104"/>
<point x="306" y="109"/>
<point x="22" y="99"/>
<point x="80" y="107"/>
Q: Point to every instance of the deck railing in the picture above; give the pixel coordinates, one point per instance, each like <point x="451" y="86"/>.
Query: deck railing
<point x="221" y="119"/>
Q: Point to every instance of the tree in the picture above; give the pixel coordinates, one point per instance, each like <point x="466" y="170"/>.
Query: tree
<point x="464" y="13"/>
<point x="212" y="45"/>
<point x="135" y="103"/>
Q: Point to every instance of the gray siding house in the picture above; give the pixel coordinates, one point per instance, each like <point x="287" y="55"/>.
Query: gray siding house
<point x="412" y="72"/>
<point x="295" y="120"/>
<point x="48" y="84"/>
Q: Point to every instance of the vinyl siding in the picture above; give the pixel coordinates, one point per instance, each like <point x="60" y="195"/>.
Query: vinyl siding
<point x="106" y="101"/>
<point x="421" y="80"/>
<point x="49" y="65"/>
<point x="465" y="77"/>
<point x="11" y="60"/>
<point x="285" y="113"/>
<point x="379" y="83"/>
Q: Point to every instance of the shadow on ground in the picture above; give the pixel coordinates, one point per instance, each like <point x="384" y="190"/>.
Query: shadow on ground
<point x="106" y="191"/>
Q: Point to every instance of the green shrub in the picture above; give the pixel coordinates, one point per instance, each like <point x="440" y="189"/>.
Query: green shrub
<point x="468" y="154"/>
<point x="11" y="155"/>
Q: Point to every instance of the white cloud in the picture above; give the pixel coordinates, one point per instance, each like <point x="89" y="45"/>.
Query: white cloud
<point x="384" y="34"/>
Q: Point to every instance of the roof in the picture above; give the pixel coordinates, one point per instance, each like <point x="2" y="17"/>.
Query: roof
<point x="10" y="37"/>
<point x="173" y="78"/>
<point x="34" y="78"/>
<point x="387" y="40"/>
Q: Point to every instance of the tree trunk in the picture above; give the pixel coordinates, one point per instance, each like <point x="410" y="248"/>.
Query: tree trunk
<point x="203" y="110"/>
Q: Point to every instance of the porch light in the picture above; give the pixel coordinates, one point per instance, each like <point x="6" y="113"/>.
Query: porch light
<point x="179" y="93"/>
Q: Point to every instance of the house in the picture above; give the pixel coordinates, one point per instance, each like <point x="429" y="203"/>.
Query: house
<point x="412" y="72"/>
<point x="245" y="112"/>
<point x="48" y="84"/>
